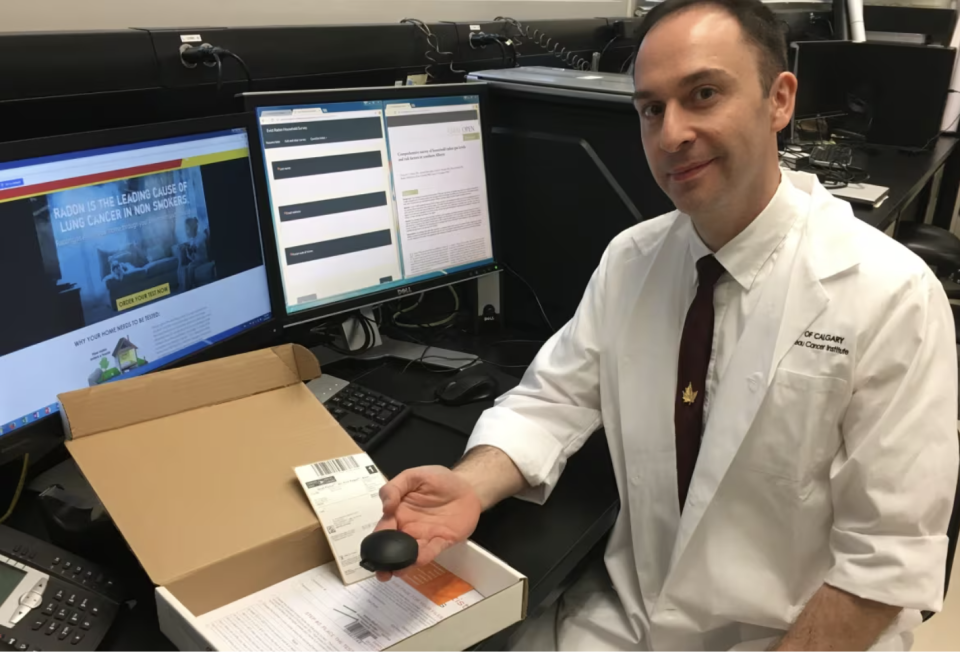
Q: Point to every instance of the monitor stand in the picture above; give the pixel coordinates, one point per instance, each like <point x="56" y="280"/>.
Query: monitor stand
<point x="386" y="347"/>
<point x="433" y="356"/>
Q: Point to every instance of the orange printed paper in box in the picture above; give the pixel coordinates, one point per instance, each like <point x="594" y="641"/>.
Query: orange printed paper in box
<point x="436" y="583"/>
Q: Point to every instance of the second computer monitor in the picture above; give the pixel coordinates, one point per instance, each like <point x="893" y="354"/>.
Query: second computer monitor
<point x="123" y="252"/>
<point x="374" y="193"/>
<point x="875" y="88"/>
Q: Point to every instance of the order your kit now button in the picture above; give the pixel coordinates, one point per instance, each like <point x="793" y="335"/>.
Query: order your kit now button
<point x="140" y="298"/>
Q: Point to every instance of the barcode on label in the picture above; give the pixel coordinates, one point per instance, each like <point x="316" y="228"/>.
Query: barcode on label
<point x="335" y="465"/>
<point x="358" y="632"/>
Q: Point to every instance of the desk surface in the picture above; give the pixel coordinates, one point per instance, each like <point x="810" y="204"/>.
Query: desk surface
<point x="545" y="543"/>
<point x="905" y="173"/>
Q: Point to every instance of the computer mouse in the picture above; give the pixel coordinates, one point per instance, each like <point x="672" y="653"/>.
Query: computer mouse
<point x="388" y="550"/>
<point x="468" y="388"/>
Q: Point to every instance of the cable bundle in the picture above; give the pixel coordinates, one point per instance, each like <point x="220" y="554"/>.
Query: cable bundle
<point x="570" y="58"/>
<point x="434" y="44"/>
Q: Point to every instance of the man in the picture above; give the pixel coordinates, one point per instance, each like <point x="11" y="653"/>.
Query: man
<point x="777" y="381"/>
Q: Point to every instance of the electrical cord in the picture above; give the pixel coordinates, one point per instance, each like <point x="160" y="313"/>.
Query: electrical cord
<point x="570" y="58"/>
<point x="536" y="296"/>
<point x="443" y="322"/>
<point x="609" y="43"/>
<point x="243" y="65"/>
<point x="413" y="307"/>
<point x="479" y="360"/>
<point x="475" y="361"/>
<point x="435" y="320"/>
<point x="480" y="40"/>
<point x="368" y="372"/>
<point x="438" y="331"/>
<point x="332" y="330"/>
<point x="18" y="491"/>
<point x="456" y="370"/>
<point x="604" y="51"/>
<point x="421" y="402"/>
<point x="835" y="173"/>
<point x="426" y="348"/>
<point x="216" y="57"/>
<point x="508" y="62"/>
<point x="939" y="133"/>
<point x="207" y="54"/>
<point x="434" y="44"/>
<point x="517" y="341"/>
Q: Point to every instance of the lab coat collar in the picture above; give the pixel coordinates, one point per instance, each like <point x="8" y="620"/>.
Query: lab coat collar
<point x="832" y="246"/>
<point x="830" y="251"/>
<point x="744" y="255"/>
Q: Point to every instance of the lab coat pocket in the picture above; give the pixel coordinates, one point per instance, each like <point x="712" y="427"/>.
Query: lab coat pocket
<point x="796" y="432"/>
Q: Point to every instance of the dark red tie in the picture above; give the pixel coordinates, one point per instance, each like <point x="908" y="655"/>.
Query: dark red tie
<point x="695" y="346"/>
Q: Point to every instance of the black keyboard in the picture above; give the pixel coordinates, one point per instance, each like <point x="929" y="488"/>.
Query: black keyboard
<point x="367" y="416"/>
<point x="838" y="156"/>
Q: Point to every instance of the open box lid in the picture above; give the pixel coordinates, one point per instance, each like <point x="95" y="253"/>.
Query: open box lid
<point x="195" y="464"/>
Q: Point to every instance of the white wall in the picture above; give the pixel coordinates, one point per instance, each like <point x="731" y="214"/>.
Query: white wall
<point x="41" y="15"/>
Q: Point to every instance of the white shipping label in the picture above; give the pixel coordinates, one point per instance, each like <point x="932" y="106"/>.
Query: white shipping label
<point x="345" y="495"/>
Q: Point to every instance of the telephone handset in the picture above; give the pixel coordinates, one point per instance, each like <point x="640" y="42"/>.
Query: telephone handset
<point x="51" y="599"/>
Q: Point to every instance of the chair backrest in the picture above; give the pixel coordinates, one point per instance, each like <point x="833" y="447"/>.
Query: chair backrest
<point x="937" y="247"/>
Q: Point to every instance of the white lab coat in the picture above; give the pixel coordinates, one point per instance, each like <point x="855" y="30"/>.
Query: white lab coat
<point x="822" y="460"/>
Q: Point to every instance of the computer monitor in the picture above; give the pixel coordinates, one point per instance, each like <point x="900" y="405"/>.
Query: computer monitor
<point x="565" y="160"/>
<point x="820" y="70"/>
<point x="876" y="88"/>
<point x="123" y="252"/>
<point x="374" y="193"/>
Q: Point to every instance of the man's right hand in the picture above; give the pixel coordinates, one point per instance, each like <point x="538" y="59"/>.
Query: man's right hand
<point x="434" y="505"/>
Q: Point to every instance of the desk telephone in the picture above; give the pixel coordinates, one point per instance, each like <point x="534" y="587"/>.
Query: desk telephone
<point x="50" y="599"/>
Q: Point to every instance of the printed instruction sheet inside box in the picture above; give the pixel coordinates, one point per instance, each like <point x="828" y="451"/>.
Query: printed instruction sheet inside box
<point x="196" y="467"/>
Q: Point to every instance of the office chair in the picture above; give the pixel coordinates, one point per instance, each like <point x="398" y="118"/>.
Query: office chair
<point x="937" y="247"/>
<point x="940" y="249"/>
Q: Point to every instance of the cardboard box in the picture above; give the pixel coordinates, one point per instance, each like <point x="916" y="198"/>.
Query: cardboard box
<point x="195" y="466"/>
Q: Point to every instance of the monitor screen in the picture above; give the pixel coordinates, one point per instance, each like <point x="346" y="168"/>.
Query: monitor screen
<point x="124" y="259"/>
<point x="876" y="89"/>
<point x="375" y="195"/>
<point x="822" y="85"/>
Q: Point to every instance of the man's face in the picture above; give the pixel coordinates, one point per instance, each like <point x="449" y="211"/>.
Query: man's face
<point x="191" y="229"/>
<point x="708" y="127"/>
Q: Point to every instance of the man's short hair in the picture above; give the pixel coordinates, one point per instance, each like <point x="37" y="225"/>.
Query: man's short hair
<point x="760" y="27"/>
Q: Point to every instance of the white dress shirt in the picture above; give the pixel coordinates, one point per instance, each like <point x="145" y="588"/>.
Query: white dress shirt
<point x="747" y="260"/>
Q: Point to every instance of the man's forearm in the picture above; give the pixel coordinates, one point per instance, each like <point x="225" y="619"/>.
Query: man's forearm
<point x="492" y="474"/>
<point x="837" y="620"/>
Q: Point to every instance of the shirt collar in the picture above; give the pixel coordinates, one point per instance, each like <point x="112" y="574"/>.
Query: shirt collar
<point x="744" y="255"/>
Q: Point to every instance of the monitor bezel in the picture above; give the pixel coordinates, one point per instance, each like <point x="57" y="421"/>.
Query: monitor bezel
<point x="255" y="100"/>
<point x="254" y="337"/>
